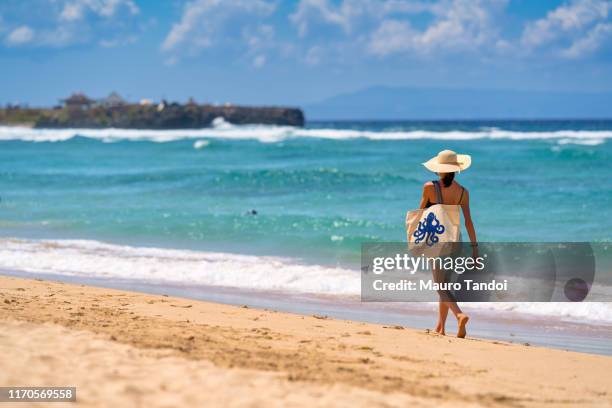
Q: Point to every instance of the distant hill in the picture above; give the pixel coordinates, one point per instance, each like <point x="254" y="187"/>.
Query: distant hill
<point x="387" y="103"/>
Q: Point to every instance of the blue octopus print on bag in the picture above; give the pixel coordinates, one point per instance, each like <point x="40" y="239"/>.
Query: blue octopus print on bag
<point x="428" y="229"/>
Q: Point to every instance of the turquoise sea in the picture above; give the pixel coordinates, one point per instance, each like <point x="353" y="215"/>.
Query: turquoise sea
<point x="279" y="207"/>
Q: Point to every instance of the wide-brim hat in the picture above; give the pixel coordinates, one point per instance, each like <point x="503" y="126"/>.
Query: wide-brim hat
<point x="448" y="161"/>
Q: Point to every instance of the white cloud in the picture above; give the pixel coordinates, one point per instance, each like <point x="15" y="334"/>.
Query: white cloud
<point x="259" y="61"/>
<point x="580" y="23"/>
<point x="61" y="36"/>
<point x="348" y="13"/>
<point x="259" y="37"/>
<point x="309" y="10"/>
<point x="392" y="36"/>
<point x="456" y="25"/>
<point x="71" y="12"/>
<point x="116" y="42"/>
<point x="388" y="27"/>
<point x="260" y="40"/>
<point x="589" y="43"/>
<point x="330" y="31"/>
<point x="69" y="22"/>
<point x="314" y="55"/>
<point x="202" y="19"/>
<point x="20" y="36"/>
<point x="76" y="9"/>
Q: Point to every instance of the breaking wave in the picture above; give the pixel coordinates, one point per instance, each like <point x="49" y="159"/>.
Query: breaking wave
<point x="271" y="134"/>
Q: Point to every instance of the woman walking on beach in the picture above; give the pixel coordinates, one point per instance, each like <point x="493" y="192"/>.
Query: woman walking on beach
<point x="447" y="191"/>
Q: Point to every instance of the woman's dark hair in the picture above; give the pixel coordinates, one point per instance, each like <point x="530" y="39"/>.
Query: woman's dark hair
<point x="448" y="178"/>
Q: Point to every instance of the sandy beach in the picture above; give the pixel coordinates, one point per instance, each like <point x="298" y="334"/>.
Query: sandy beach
<point x="131" y="349"/>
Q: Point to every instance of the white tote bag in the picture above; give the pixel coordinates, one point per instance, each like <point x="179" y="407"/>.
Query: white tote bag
<point x="433" y="231"/>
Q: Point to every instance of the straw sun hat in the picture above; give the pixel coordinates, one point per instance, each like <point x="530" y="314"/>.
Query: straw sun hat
<point x="448" y="161"/>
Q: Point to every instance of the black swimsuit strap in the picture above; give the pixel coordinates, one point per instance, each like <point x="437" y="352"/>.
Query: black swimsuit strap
<point x="461" y="198"/>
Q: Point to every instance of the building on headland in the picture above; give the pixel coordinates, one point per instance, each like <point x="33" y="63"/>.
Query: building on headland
<point x="114" y="100"/>
<point x="78" y="101"/>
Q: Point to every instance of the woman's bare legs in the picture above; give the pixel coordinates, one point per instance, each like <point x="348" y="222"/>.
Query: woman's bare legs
<point x="442" y="315"/>
<point x="462" y="318"/>
<point x="446" y="302"/>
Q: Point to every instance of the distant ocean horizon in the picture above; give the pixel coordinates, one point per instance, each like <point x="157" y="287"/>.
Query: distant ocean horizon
<point x="284" y="208"/>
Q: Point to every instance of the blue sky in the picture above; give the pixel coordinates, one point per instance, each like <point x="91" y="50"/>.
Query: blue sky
<point x="296" y="52"/>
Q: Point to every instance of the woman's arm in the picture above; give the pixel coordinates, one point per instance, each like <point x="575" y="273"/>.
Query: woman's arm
<point x="425" y="195"/>
<point x="469" y="225"/>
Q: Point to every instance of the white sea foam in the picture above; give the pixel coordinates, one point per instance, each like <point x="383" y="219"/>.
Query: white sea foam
<point x="585" y="142"/>
<point x="589" y="311"/>
<point x="93" y="259"/>
<point x="200" y="144"/>
<point x="264" y="133"/>
<point x="83" y="258"/>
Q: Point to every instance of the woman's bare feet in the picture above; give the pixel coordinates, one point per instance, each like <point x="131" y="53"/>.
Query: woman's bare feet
<point x="462" y="320"/>
<point x="440" y="330"/>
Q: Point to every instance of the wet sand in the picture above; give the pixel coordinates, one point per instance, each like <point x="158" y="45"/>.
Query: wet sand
<point x="131" y="349"/>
